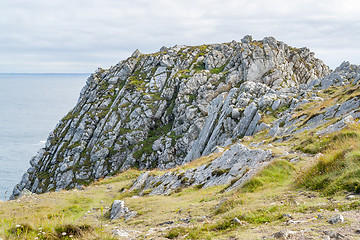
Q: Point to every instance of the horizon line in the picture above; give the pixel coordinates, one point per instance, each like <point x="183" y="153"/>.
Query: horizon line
<point x="66" y="73"/>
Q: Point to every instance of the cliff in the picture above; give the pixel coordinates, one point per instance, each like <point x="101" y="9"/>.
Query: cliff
<point x="250" y="140"/>
<point x="168" y="108"/>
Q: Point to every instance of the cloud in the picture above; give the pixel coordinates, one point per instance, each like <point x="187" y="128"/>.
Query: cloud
<point x="79" y="36"/>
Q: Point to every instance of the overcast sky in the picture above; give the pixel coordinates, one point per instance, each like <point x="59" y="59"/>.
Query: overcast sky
<point x="82" y="35"/>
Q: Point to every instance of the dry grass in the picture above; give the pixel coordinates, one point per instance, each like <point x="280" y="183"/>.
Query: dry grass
<point x="276" y="190"/>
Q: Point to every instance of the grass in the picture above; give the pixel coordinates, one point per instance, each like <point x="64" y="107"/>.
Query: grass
<point x="338" y="169"/>
<point x="199" y="66"/>
<point x="64" y="211"/>
<point x="261" y="202"/>
<point x="279" y="188"/>
<point x="277" y="172"/>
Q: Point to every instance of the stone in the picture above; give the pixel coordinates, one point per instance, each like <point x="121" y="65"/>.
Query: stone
<point x="330" y="233"/>
<point x="25" y="192"/>
<point x="350" y="197"/>
<point x="283" y="234"/>
<point x="166" y="223"/>
<point x="343" y="123"/>
<point x="333" y="235"/>
<point x="119" y="210"/>
<point x="120" y="233"/>
<point x="336" y="219"/>
<point x="246" y="39"/>
<point x="287" y="215"/>
<point x="238" y="222"/>
<point x="238" y="162"/>
<point x="140" y="181"/>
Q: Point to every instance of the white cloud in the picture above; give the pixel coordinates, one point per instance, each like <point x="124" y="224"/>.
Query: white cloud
<point x="79" y="36"/>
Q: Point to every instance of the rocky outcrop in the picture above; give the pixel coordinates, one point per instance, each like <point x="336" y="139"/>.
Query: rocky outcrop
<point x="344" y="109"/>
<point x="232" y="168"/>
<point x="167" y="108"/>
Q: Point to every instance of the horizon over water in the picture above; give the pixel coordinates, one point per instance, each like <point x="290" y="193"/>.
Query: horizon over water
<point x="31" y="104"/>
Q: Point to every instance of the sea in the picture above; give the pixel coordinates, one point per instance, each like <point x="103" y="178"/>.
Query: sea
<point x="30" y="107"/>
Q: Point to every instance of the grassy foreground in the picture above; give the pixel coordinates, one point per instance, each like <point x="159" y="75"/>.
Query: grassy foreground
<point x="309" y="180"/>
<point x="310" y="190"/>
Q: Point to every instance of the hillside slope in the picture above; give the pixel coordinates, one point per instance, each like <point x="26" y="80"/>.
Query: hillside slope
<point x="274" y="156"/>
<point x="165" y="109"/>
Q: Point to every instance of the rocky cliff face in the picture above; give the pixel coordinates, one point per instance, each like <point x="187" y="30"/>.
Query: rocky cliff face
<point x="167" y="108"/>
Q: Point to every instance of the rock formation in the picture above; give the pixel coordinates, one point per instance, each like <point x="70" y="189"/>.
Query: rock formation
<point x="168" y="108"/>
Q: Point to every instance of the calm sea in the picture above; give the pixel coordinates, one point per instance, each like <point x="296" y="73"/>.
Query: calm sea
<point x="30" y="107"/>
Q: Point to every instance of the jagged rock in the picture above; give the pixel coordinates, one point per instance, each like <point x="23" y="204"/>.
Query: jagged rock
<point x="25" y="192"/>
<point x="168" y="108"/>
<point x="337" y="126"/>
<point x="140" y="181"/>
<point x="336" y="219"/>
<point x="119" y="210"/>
<point x="235" y="166"/>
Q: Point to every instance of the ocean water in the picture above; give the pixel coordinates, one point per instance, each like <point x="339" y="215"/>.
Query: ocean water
<point x="30" y="107"/>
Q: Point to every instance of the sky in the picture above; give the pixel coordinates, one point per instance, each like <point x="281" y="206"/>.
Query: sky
<point x="78" y="36"/>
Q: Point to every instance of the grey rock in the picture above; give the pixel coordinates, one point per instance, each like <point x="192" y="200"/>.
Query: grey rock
<point x="237" y="163"/>
<point x="350" y="197"/>
<point x="26" y="192"/>
<point x="238" y="222"/>
<point x="333" y="235"/>
<point x="120" y="233"/>
<point x="119" y="210"/>
<point x="337" y="126"/>
<point x="140" y="181"/>
<point x="336" y="219"/>
<point x="348" y="106"/>
<point x="166" y="223"/>
<point x="283" y="234"/>
<point x="246" y="39"/>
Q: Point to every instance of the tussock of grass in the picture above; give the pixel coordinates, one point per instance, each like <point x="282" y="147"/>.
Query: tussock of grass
<point x="20" y="229"/>
<point x="277" y="172"/>
<point x="339" y="167"/>
<point x="65" y="231"/>
<point x="318" y="144"/>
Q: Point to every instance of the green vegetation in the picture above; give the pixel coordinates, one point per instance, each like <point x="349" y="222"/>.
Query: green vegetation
<point x="338" y="169"/>
<point x="153" y="135"/>
<point x="276" y="173"/>
<point x="70" y="115"/>
<point x="257" y="43"/>
<point x="219" y="69"/>
<point x="184" y="74"/>
<point x="199" y="66"/>
<point x="192" y="97"/>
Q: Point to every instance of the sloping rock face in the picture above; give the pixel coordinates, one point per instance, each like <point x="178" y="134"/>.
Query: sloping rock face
<point x="235" y="166"/>
<point x="168" y="108"/>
